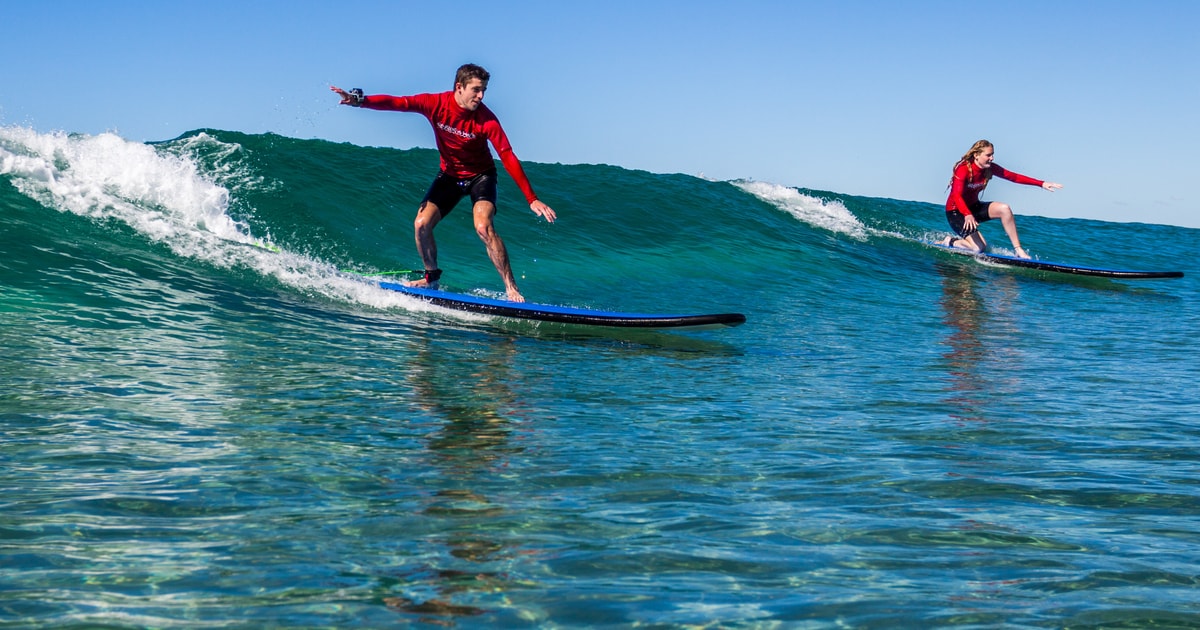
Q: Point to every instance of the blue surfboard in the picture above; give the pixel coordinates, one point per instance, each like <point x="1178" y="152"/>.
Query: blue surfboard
<point x="564" y="314"/>
<point x="1042" y="265"/>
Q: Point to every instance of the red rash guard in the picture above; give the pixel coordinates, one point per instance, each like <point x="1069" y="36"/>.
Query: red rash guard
<point x="462" y="135"/>
<point x="968" y="183"/>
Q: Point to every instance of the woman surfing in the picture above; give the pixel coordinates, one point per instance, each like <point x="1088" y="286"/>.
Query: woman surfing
<point x="964" y="210"/>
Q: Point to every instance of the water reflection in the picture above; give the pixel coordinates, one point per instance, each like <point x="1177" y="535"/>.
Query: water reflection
<point x="468" y="385"/>
<point x="966" y="351"/>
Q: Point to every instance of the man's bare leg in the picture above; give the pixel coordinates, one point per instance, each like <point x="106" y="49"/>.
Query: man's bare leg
<point x="485" y="213"/>
<point x="428" y="216"/>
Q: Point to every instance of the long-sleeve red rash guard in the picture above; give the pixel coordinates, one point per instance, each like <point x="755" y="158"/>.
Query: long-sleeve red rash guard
<point x="462" y="135"/>
<point x="968" y="183"/>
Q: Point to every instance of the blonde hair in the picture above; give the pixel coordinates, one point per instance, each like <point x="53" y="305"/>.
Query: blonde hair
<point x="969" y="159"/>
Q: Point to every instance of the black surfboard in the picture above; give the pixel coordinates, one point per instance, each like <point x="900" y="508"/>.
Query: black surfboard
<point x="1042" y="265"/>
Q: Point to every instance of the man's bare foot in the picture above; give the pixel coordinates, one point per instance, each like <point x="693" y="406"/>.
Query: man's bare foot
<point x="514" y="296"/>
<point x="947" y="242"/>
<point x="427" y="281"/>
<point x="1021" y="253"/>
<point x="421" y="283"/>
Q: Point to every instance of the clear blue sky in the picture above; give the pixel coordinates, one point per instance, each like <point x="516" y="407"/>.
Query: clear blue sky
<point x="874" y="98"/>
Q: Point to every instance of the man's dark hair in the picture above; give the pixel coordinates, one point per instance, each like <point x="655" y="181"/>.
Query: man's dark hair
<point x="469" y="71"/>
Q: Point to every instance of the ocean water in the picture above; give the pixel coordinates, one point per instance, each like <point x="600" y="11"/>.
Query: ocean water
<point x="206" y="423"/>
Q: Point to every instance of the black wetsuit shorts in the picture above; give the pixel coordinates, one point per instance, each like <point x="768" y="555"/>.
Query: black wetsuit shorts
<point x="979" y="210"/>
<point x="446" y="191"/>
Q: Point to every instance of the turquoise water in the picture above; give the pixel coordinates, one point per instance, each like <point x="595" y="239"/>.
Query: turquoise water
<point x="202" y="432"/>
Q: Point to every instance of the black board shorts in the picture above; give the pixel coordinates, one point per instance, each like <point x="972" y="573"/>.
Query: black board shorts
<point x="979" y="210"/>
<point x="445" y="192"/>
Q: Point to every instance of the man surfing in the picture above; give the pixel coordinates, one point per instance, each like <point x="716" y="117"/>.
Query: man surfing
<point x="462" y="126"/>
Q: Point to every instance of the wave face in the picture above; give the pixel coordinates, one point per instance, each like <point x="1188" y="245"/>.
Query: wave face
<point x="209" y="421"/>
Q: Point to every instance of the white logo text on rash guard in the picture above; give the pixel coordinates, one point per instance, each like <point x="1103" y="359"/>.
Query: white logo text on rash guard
<point x="461" y="134"/>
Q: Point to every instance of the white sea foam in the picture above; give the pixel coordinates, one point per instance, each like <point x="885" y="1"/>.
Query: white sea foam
<point x="162" y="194"/>
<point x="830" y="215"/>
